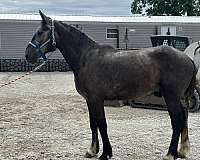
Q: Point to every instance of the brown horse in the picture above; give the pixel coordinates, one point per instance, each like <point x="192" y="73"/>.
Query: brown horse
<point x="103" y="73"/>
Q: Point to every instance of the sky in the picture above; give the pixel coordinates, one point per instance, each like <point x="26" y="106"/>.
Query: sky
<point x="68" y="7"/>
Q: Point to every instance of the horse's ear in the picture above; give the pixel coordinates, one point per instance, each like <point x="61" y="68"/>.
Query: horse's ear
<point x="45" y="19"/>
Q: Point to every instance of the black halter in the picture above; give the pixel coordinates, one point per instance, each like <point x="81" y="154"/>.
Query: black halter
<point x="40" y="48"/>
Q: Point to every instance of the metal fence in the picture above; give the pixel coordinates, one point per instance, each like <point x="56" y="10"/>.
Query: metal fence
<point x="21" y="65"/>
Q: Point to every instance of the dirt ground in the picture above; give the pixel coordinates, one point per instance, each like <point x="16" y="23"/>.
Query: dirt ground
<point x="42" y="117"/>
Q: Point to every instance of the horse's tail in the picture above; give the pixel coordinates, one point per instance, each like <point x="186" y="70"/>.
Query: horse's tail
<point x="196" y="57"/>
<point x="190" y="90"/>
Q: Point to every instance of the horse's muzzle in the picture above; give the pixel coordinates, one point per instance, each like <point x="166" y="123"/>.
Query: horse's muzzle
<point x="30" y="54"/>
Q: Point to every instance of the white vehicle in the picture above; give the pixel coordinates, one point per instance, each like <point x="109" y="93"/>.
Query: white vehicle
<point x="192" y="50"/>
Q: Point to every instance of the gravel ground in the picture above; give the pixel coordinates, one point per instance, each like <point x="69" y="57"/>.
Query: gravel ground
<point x="42" y="117"/>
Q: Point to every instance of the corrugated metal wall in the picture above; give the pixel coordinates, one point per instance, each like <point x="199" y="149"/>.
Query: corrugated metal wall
<point x="138" y="35"/>
<point x="98" y="33"/>
<point x="192" y="31"/>
<point x="14" y="38"/>
<point x="15" y="35"/>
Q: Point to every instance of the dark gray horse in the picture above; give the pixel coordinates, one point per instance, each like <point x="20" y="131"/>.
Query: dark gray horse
<point x="103" y="73"/>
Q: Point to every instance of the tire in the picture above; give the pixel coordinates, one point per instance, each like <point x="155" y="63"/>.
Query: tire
<point x="194" y="104"/>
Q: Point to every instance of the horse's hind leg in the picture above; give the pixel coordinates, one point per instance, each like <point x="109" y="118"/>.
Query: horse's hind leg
<point x="177" y="121"/>
<point x="185" y="144"/>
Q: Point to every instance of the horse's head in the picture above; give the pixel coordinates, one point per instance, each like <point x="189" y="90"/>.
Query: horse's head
<point x="43" y="40"/>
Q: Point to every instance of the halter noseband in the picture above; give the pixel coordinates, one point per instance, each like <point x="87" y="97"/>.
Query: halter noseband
<point x="39" y="47"/>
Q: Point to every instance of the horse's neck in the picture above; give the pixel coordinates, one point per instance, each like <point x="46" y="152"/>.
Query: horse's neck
<point x="73" y="45"/>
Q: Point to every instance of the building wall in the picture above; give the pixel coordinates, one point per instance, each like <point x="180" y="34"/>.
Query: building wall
<point x="139" y="38"/>
<point x="15" y="35"/>
<point x="192" y="31"/>
<point x="14" y="38"/>
<point x="98" y="33"/>
<point x="138" y="35"/>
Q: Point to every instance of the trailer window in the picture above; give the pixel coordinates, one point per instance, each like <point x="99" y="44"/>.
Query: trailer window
<point x="112" y="33"/>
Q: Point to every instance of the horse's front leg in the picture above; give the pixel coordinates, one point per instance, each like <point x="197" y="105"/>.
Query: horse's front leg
<point x="96" y="107"/>
<point x="94" y="148"/>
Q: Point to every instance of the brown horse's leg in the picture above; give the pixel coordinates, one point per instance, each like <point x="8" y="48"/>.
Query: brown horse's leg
<point x="185" y="144"/>
<point x="94" y="148"/>
<point x="97" y="109"/>
<point x="177" y="121"/>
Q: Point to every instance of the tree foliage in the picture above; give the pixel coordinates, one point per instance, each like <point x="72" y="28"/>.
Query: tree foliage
<point x="166" y="7"/>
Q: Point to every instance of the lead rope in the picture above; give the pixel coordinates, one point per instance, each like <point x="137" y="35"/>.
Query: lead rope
<point x="26" y="74"/>
<point x="38" y="67"/>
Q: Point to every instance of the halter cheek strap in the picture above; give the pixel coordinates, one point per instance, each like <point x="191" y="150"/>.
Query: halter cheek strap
<point x="40" y="48"/>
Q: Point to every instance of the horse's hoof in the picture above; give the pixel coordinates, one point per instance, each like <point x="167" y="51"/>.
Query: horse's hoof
<point x="105" y="157"/>
<point x="184" y="151"/>
<point x="169" y="157"/>
<point x="181" y="155"/>
<point x="90" y="155"/>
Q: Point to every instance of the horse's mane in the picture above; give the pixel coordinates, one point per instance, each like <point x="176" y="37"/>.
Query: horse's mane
<point x="82" y="35"/>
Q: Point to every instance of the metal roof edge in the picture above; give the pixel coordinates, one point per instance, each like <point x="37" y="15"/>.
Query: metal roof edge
<point x="107" y="19"/>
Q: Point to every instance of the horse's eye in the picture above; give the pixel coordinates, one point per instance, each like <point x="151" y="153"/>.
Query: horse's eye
<point x="39" y="33"/>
